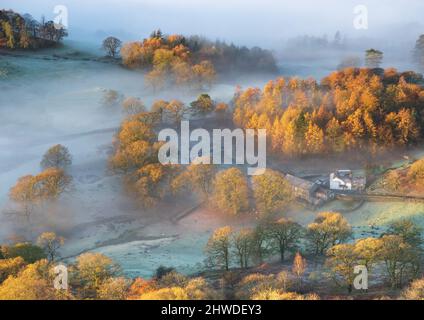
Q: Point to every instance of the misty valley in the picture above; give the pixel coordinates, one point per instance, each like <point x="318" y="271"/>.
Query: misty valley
<point x="181" y="166"/>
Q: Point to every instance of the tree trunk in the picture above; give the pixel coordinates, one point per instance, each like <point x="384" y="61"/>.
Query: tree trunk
<point x="226" y="260"/>
<point x="282" y="252"/>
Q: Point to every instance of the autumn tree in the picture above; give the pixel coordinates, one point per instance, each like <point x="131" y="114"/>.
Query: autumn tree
<point x="399" y="258"/>
<point x="218" y="247"/>
<point x="173" y="293"/>
<point x="32" y="283"/>
<point x="199" y="289"/>
<point x="392" y="180"/>
<point x="351" y="109"/>
<point x="32" y="190"/>
<point x="314" y="139"/>
<point x="254" y="283"/>
<point x="194" y="289"/>
<point x="204" y="74"/>
<point x="222" y="110"/>
<point x="51" y="184"/>
<point x="24" y="36"/>
<point x="202" y="105"/>
<point x="57" y="156"/>
<point x="278" y="295"/>
<point x="171" y="278"/>
<point x="231" y="191"/>
<point x="91" y="271"/>
<point x="299" y="267"/>
<point x="182" y="73"/>
<point x="10" y="267"/>
<point x="50" y="243"/>
<point x="134" y="55"/>
<point x="196" y="178"/>
<point x="134" y="146"/>
<point x="342" y="259"/>
<point x="294" y="133"/>
<point x="8" y="32"/>
<point x="192" y="62"/>
<point x="406" y="127"/>
<point x="133" y="106"/>
<point x="150" y="183"/>
<point x="327" y="230"/>
<point x="24" y="32"/>
<point x="156" y="79"/>
<point x="256" y="286"/>
<point x="284" y="235"/>
<point x="272" y="192"/>
<point x="162" y="60"/>
<point x="135" y="156"/>
<point x="111" y="45"/>
<point x="140" y="286"/>
<point x="113" y="289"/>
<point x="334" y="136"/>
<point x="158" y="107"/>
<point x="174" y="111"/>
<point x="410" y="232"/>
<point x="416" y="172"/>
<point x="167" y="60"/>
<point x="24" y="193"/>
<point x="367" y="251"/>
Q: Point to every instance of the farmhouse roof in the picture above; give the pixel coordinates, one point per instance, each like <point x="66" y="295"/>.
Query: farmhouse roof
<point x="300" y="183"/>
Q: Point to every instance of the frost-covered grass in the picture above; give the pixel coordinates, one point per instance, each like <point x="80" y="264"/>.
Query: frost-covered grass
<point x="141" y="258"/>
<point x="370" y="220"/>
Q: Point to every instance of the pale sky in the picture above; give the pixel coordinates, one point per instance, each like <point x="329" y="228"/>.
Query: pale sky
<point x="248" y="22"/>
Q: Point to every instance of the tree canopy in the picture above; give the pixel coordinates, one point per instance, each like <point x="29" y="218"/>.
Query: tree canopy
<point x="24" y="32"/>
<point x="351" y="109"/>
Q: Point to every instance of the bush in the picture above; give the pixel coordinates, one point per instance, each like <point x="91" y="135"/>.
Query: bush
<point x="415" y="291"/>
<point x="416" y="172"/>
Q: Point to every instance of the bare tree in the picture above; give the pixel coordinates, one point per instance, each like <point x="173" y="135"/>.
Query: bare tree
<point x="57" y="156"/>
<point x="285" y="235"/>
<point x="111" y="46"/>
<point x="51" y="243"/>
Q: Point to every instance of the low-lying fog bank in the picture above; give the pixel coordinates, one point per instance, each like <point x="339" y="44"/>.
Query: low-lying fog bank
<point x="47" y="100"/>
<point x="54" y="97"/>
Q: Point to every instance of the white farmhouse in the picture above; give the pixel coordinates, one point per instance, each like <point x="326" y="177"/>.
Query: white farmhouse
<point x="341" y="180"/>
<point x="344" y="180"/>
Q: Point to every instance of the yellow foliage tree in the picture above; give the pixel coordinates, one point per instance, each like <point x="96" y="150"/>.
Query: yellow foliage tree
<point x="231" y="191"/>
<point x="327" y="230"/>
<point x="218" y="247"/>
<point x="272" y="192"/>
